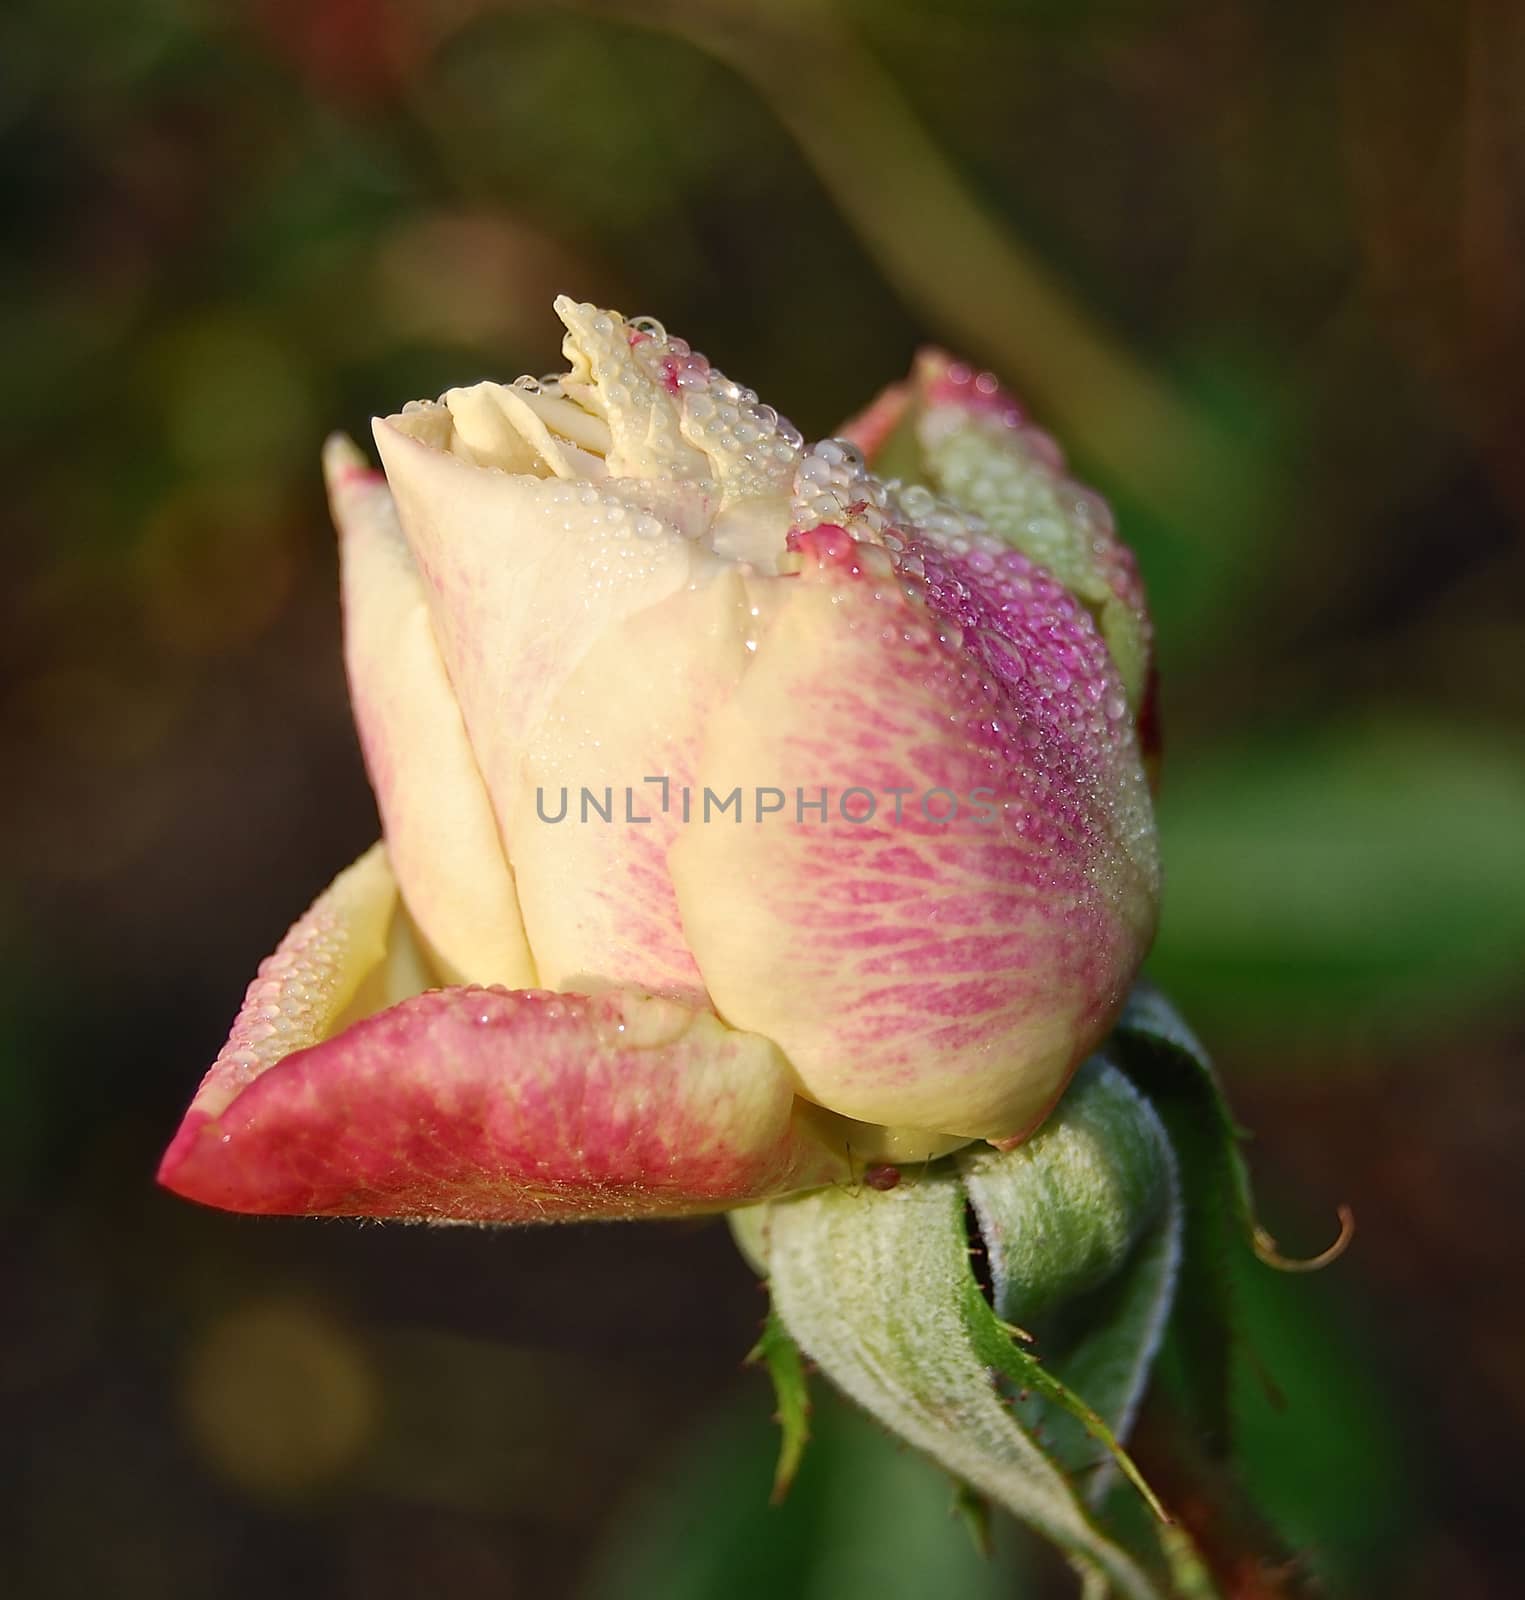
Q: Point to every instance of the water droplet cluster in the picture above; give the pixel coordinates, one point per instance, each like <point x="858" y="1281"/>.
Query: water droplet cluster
<point x="984" y="453"/>
<point x="610" y="379"/>
<point x="292" y="999"/>
<point x="671" y="412"/>
<point x="1034" y="675"/>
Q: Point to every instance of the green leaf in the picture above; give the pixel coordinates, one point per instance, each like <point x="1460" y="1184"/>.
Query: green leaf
<point x="1340" y="1417"/>
<point x="791" y="1388"/>
<point x="878" y="1290"/>
<point x="1362" y="880"/>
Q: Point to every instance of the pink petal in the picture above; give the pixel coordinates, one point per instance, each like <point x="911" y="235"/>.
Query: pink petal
<point x="490" y="1105"/>
<point x="970" y="439"/>
<point x="344" y="1091"/>
<point x="871" y="428"/>
<point x="943" y="977"/>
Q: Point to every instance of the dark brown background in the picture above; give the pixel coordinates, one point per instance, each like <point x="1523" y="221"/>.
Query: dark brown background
<point x="1259" y="263"/>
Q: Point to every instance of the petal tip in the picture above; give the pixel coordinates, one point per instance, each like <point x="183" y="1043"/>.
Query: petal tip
<point x="341" y="454"/>
<point x="182" y="1171"/>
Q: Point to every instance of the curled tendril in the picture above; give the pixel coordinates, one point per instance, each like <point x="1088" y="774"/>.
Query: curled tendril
<point x="1267" y="1250"/>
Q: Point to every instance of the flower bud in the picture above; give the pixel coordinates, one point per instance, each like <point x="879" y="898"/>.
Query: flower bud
<point x="754" y="816"/>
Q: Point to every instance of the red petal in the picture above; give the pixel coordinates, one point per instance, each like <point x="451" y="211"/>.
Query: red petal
<point x="490" y="1105"/>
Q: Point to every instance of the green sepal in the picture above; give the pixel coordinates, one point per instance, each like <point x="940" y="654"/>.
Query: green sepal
<point x="993" y="1342"/>
<point x="1081" y="1227"/>
<point x="973" y="1510"/>
<point x="1167" y="1062"/>
<point x="791" y="1390"/>
<point x="878" y="1289"/>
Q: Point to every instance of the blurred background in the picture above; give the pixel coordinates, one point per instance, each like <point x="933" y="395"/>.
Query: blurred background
<point x="1260" y="264"/>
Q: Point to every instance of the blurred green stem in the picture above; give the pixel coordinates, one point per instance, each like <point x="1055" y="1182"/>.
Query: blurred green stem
<point x="946" y="253"/>
<point x="1221" y="1543"/>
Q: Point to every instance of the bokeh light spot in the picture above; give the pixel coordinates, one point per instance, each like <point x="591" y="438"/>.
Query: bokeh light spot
<point x="279" y="1398"/>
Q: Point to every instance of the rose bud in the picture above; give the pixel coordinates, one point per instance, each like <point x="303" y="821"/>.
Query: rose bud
<point x="748" y="818"/>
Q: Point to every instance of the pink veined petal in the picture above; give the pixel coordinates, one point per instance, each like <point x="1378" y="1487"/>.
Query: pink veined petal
<point x="475" y="1104"/>
<point x="442" y="837"/>
<point x="943" y="976"/>
<point x="959" y="431"/>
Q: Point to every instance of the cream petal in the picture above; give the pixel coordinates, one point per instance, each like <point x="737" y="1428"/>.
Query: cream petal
<point x="600" y="803"/>
<point x="441" y="834"/>
<point x="643" y="415"/>
<point x="525" y="574"/>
